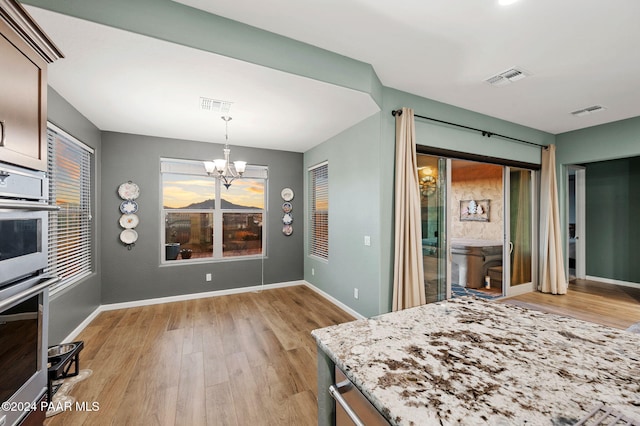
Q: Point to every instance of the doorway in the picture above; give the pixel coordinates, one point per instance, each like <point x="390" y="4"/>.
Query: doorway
<point x="475" y="215"/>
<point x="576" y="220"/>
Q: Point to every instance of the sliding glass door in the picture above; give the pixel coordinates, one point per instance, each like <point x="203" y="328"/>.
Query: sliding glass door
<point x="432" y="175"/>
<point x="488" y="253"/>
<point x="519" y="229"/>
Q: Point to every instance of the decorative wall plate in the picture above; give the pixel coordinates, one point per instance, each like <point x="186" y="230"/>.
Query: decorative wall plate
<point x="128" y="191"/>
<point x="287" y="230"/>
<point x="287" y="207"/>
<point x="128" y="207"/>
<point x="287" y="194"/>
<point x="128" y="221"/>
<point x="128" y="236"/>
<point x="287" y="219"/>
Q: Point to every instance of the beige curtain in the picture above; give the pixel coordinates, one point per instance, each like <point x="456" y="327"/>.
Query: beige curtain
<point x="408" y="275"/>
<point x="552" y="276"/>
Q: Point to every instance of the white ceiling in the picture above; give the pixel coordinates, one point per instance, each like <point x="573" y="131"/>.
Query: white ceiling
<point x="106" y="75"/>
<point x="579" y="53"/>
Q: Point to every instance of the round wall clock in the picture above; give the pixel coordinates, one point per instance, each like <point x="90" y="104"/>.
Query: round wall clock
<point x="287" y="194"/>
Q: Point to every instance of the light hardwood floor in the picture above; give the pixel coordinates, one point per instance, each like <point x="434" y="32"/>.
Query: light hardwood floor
<point x="245" y="359"/>
<point x="601" y="303"/>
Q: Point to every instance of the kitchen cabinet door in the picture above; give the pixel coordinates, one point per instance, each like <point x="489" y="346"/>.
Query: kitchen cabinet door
<point x="23" y="100"/>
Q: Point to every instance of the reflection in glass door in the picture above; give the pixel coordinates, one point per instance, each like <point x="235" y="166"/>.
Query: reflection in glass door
<point x="432" y="176"/>
<point x="520" y="231"/>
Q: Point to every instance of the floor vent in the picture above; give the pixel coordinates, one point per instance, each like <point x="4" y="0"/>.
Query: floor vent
<point x="214" y="105"/>
<point x="508" y="76"/>
<point x="588" y="110"/>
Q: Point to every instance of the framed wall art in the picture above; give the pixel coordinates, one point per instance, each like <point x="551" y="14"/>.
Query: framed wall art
<point x="474" y="210"/>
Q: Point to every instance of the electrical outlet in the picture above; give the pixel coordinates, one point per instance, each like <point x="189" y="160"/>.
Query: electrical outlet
<point x="367" y="240"/>
<point x="313" y="271"/>
<point x="207" y="277"/>
<point x="356" y="293"/>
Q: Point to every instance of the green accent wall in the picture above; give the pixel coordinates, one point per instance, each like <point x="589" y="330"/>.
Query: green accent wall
<point x="354" y="158"/>
<point x="612" y="225"/>
<point x="595" y="147"/>
<point x="361" y="191"/>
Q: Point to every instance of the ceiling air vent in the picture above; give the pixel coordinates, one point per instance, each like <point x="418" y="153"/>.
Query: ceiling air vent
<point x="588" y="110"/>
<point x="508" y="76"/>
<point x="214" y="105"/>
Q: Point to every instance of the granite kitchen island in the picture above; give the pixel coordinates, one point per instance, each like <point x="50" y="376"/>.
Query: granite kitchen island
<point x="471" y="362"/>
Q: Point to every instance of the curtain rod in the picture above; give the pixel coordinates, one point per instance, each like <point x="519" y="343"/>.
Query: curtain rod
<point x="484" y="132"/>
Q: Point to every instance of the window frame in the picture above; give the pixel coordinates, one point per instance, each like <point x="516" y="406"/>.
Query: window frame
<point x="257" y="172"/>
<point x="85" y="264"/>
<point x="313" y="250"/>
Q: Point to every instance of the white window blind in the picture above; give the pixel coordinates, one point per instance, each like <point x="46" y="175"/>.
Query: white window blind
<point x="69" y="169"/>
<point x="319" y="217"/>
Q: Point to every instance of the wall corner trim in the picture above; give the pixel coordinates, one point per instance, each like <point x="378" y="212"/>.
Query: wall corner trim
<point x="71" y="336"/>
<point x="335" y="301"/>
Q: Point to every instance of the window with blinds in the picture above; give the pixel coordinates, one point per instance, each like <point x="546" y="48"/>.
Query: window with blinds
<point x="70" y="245"/>
<point x="319" y="211"/>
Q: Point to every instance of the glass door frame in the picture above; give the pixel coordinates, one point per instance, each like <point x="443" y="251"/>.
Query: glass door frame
<point x="445" y="198"/>
<point x="507" y="288"/>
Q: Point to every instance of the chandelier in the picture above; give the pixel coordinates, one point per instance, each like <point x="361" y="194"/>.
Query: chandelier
<point x="222" y="168"/>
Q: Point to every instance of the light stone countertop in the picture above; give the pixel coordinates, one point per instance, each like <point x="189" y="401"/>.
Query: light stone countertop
<point x="471" y="362"/>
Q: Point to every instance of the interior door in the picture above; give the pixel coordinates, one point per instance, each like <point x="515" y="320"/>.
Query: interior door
<point x="576" y="238"/>
<point x="520" y="238"/>
<point x="433" y="178"/>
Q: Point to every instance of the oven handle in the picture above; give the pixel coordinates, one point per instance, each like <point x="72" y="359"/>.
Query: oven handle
<point x="28" y="292"/>
<point x="26" y="205"/>
<point x="335" y="392"/>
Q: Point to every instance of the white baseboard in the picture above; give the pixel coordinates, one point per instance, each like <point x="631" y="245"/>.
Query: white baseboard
<point x="72" y="336"/>
<point x="215" y="293"/>
<point x="335" y="301"/>
<point x="612" y="281"/>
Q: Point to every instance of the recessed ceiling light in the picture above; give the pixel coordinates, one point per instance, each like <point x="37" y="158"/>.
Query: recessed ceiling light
<point x="506" y="2"/>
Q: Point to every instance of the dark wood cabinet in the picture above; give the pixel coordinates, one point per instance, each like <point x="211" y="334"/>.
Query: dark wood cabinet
<point x="25" y="51"/>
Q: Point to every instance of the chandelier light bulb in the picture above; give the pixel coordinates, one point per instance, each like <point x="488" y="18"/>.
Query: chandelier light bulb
<point x="221" y="167"/>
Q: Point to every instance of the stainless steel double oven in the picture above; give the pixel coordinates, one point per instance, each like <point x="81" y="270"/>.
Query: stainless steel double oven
<point x="24" y="290"/>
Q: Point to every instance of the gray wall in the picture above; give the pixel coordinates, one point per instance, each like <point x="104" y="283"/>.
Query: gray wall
<point x="136" y="274"/>
<point x="71" y="306"/>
